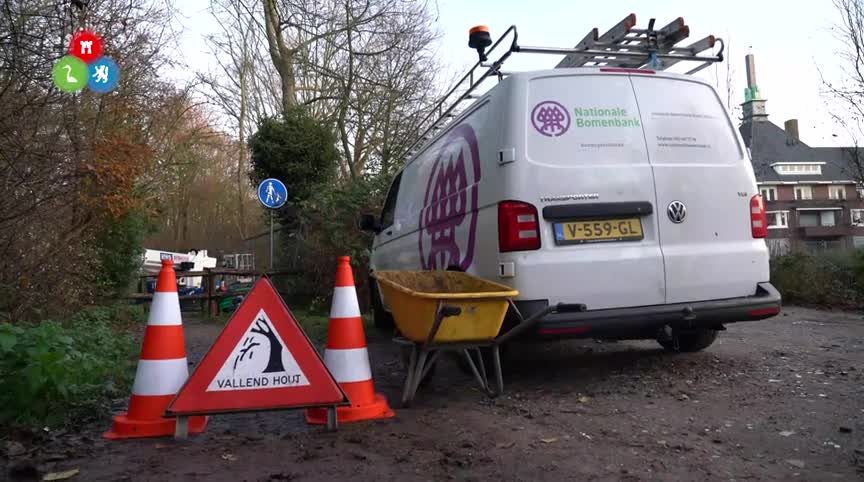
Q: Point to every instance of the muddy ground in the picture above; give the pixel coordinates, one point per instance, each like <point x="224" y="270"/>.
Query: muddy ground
<point x="781" y="399"/>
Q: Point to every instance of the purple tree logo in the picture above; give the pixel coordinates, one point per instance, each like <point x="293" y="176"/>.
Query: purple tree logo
<point x="550" y="118"/>
<point x="448" y="220"/>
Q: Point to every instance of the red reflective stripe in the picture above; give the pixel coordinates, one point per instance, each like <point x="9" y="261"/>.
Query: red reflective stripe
<point x="346" y="333"/>
<point x="344" y="275"/>
<point x="167" y="281"/>
<point x="163" y="342"/>
<point x="765" y="311"/>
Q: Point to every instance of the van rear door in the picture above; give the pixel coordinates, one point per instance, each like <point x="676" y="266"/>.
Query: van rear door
<point x="589" y="175"/>
<point x="704" y="184"/>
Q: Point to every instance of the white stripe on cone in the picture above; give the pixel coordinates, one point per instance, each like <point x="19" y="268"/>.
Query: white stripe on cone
<point x="160" y="377"/>
<point x="351" y="365"/>
<point x="165" y="309"/>
<point x="344" y="303"/>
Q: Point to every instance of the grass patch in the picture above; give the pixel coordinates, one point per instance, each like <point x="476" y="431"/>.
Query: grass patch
<point x="57" y="373"/>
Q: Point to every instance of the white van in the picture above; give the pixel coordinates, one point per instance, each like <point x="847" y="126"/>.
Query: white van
<point x="627" y="190"/>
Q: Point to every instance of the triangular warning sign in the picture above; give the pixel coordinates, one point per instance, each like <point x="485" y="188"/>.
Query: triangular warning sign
<point x="261" y="360"/>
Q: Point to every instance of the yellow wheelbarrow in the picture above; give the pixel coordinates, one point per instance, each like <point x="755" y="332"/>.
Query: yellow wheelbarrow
<point x="439" y="311"/>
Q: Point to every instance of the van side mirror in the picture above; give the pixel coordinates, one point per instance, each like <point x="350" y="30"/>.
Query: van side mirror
<point x="369" y="222"/>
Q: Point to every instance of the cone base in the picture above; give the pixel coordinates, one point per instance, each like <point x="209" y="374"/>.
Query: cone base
<point x="125" y="428"/>
<point x="377" y="410"/>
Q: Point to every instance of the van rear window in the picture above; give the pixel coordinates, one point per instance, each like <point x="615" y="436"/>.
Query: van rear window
<point x="584" y="119"/>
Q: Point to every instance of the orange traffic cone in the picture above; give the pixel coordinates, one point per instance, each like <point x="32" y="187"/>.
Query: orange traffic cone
<point x="347" y="358"/>
<point x="162" y="369"/>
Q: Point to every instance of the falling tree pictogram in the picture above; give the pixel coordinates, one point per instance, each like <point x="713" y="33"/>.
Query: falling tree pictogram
<point x="274" y="364"/>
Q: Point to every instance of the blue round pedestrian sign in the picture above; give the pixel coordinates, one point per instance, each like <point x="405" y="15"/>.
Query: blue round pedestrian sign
<point x="272" y="193"/>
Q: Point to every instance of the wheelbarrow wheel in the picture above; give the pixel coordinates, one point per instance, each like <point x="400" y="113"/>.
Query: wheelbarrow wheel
<point x="406" y="361"/>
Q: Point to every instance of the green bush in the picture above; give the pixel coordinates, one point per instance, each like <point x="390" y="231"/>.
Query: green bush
<point x="55" y="373"/>
<point x="298" y="150"/>
<point x="118" y="249"/>
<point x="328" y="229"/>
<point x="834" y="280"/>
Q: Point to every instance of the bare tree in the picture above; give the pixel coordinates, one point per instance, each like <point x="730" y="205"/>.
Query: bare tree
<point x="241" y="86"/>
<point x="848" y="91"/>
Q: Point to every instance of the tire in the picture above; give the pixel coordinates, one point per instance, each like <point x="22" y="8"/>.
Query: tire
<point x="382" y="318"/>
<point x="689" y="341"/>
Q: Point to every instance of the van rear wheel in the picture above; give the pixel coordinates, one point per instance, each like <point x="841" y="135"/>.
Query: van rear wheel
<point x="688" y="341"/>
<point x="380" y="316"/>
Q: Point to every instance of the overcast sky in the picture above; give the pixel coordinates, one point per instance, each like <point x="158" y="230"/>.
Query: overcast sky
<point x="789" y="42"/>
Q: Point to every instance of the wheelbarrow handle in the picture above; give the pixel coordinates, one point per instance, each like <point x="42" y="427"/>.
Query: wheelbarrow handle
<point x="569" y="308"/>
<point x="448" y="310"/>
<point x="527" y="323"/>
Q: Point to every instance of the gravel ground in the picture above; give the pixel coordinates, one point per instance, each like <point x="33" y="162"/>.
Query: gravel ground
<point x="780" y="399"/>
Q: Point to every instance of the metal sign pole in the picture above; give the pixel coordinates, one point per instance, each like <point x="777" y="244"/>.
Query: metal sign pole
<point x="272" y="194"/>
<point x="271" y="240"/>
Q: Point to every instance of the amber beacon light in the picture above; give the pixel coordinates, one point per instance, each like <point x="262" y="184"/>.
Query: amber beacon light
<point x="479" y="39"/>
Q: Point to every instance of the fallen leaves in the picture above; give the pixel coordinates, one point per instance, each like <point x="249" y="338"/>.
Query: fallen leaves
<point x="66" y="474"/>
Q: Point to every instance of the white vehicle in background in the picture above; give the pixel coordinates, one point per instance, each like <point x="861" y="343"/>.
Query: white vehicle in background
<point x="623" y="188"/>
<point x="195" y="261"/>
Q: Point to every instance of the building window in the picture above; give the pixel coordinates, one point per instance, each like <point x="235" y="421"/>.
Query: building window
<point x="827" y="218"/>
<point x="858" y="217"/>
<point x="808" y="219"/>
<point x="768" y="193"/>
<point x="803" y="193"/>
<point x="860" y="191"/>
<point x="778" y="219"/>
<point x="837" y="192"/>
<point x="798" y="169"/>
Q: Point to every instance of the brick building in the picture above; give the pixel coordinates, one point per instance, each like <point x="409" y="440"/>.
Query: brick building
<point x="813" y="200"/>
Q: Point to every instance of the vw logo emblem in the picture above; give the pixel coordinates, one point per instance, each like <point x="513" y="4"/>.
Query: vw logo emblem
<point x="677" y="211"/>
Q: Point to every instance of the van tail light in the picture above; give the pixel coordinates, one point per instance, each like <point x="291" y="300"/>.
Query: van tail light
<point x="518" y="227"/>
<point x="758" y="217"/>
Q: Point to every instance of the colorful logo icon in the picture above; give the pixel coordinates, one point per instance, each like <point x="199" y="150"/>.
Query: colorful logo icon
<point x="85" y="66"/>
<point x="550" y="118"/>
<point x="70" y="74"/>
<point x="104" y="75"/>
<point x="86" y="45"/>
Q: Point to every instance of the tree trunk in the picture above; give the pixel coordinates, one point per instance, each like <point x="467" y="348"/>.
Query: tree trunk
<point x="280" y="54"/>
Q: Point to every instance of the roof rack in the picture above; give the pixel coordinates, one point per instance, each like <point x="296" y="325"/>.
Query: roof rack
<point x="622" y="46"/>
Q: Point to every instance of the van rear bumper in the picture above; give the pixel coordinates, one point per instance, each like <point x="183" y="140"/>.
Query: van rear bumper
<point x="644" y="321"/>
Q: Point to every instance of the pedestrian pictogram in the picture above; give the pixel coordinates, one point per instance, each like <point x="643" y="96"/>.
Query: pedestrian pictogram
<point x="261" y="360"/>
<point x="70" y="74"/>
<point x="272" y="193"/>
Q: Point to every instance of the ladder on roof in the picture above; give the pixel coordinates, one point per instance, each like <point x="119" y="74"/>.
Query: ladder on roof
<point x="623" y="46"/>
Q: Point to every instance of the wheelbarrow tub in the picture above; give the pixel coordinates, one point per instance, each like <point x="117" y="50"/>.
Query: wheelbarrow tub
<point x="413" y="298"/>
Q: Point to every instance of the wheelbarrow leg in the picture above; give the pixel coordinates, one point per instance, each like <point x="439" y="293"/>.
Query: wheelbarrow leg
<point x="407" y="396"/>
<point x="473" y="366"/>
<point x="418" y="372"/>
<point x="499" y="376"/>
<point x="482" y="364"/>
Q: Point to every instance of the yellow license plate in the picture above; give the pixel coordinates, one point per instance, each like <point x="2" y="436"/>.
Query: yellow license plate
<point x="598" y="230"/>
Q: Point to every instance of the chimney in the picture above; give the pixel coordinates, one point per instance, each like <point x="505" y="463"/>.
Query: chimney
<point x="791" y="128"/>
<point x="750" y="62"/>
<point x="754" y="105"/>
